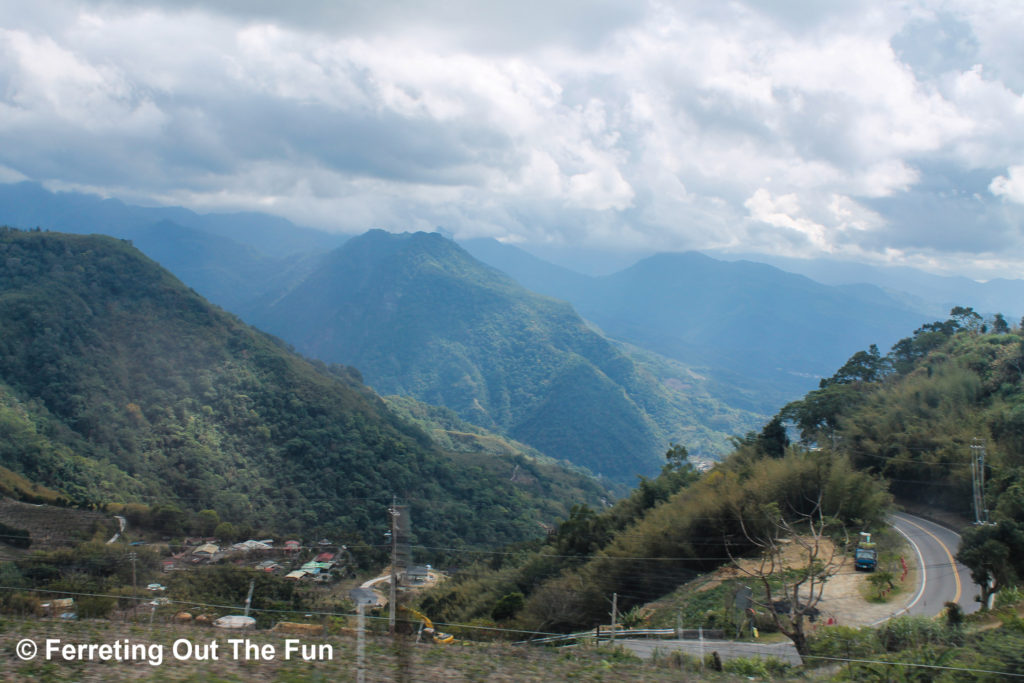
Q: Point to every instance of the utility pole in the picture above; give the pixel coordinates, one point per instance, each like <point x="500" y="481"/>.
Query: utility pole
<point x="400" y="560"/>
<point x="393" y="511"/>
<point x="360" y="643"/>
<point x="615" y="613"/>
<point x="248" y="598"/>
<point x="978" y="480"/>
<point x="135" y="586"/>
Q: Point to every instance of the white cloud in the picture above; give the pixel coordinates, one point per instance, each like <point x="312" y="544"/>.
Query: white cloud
<point x="661" y="125"/>
<point x="1010" y="186"/>
<point x="785" y="212"/>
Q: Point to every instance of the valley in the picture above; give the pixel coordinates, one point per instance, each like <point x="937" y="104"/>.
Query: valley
<point x="511" y="431"/>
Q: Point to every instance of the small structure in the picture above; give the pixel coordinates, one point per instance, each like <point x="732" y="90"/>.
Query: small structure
<point x="235" y="621"/>
<point x="314" y="567"/>
<point x="292" y="546"/>
<point x="366" y="596"/>
<point x="207" y="550"/>
<point x="249" y="546"/>
<point x="418" y="574"/>
<point x="58" y="606"/>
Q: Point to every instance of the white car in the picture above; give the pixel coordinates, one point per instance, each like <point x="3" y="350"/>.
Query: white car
<point x="156" y="587"/>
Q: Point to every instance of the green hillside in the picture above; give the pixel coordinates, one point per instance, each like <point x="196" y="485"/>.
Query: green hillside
<point x="883" y="427"/>
<point x="118" y="384"/>
<point x="420" y="317"/>
<point x="912" y="415"/>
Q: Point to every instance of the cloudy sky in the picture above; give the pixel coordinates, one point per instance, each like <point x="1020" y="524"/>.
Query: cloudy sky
<point x="878" y="131"/>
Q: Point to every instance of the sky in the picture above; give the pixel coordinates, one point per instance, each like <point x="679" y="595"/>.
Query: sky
<point x="886" y="132"/>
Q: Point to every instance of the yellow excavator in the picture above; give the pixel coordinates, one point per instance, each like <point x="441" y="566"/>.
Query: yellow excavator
<point x="427" y="627"/>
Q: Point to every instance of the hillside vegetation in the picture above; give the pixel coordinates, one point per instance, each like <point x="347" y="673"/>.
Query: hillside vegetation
<point x="903" y="422"/>
<point x="920" y="415"/>
<point x="420" y="317"/>
<point x="118" y="384"/>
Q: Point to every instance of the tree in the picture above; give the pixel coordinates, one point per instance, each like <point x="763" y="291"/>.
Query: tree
<point x="225" y="531"/>
<point x="999" y="324"/>
<point x="507" y="606"/>
<point x="995" y="555"/>
<point x="965" y="318"/>
<point x="773" y="439"/>
<point x="677" y="458"/>
<point x="206" y="522"/>
<point x="863" y="366"/>
<point x="796" y="561"/>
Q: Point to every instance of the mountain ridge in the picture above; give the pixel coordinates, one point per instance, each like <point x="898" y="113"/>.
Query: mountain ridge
<point x="704" y="312"/>
<point x="118" y="383"/>
<point x="421" y="317"/>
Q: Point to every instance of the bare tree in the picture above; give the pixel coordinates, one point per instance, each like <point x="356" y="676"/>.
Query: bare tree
<point x="796" y="560"/>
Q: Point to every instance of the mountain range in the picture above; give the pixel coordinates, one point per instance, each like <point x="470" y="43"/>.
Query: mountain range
<point x="603" y="370"/>
<point x="420" y="317"/>
<point x="119" y="384"/>
<point x="750" y="326"/>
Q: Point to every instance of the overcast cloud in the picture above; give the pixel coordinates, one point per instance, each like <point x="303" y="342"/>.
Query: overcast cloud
<point x="878" y="131"/>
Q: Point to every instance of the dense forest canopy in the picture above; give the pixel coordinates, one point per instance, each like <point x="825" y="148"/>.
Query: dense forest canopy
<point x="420" y="317"/>
<point x="119" y="384"/>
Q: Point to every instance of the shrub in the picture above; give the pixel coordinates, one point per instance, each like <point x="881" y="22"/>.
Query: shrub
<point x="843" y="642"/>
<point x="95" y="607"/>
<point x="1008" y="596"/>
<point x="766" y="668"/>
<point x="908" y="632"/>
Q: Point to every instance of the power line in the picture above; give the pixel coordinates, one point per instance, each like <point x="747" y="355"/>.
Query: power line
<point x="917" y="665"/>
<point x="511" y="631"/>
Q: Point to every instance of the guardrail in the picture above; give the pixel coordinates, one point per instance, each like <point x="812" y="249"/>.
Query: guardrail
<point x="600" y="634"/>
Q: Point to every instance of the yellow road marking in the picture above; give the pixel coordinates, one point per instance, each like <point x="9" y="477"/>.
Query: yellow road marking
<point x="952" y="562"/>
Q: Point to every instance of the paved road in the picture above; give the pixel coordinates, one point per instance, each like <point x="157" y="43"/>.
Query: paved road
<point x="122" y="523"/>
<point x="943" y="579"/>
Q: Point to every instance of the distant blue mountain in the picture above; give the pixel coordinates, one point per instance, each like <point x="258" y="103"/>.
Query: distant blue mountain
<point x="419" y="316"/>
<point x="29" y="205"/>
<point x="745" y="335"/>
<point x="745" y="324"/>
<point x="934" y="294"/>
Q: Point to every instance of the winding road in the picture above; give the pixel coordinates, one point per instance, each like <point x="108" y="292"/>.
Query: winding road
<point x="942" y="578"/>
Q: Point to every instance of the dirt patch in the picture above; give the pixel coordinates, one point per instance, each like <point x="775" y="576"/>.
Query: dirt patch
<point x="843" y="599"/>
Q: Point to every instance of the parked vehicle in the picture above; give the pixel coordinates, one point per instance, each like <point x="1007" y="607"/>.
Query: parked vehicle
<point x="865" y="559"/>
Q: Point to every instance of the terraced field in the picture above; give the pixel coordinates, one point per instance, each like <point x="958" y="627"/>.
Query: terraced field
<point x="51" y="526"/>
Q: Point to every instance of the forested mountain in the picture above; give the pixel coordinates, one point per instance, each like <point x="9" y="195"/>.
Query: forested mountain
<point x="923" y="415"/>
<point x="117" y="383"/>
<point x="231" y="259"/>
<point x="28" y="205"/>
<point x="746" y="325"/>
<point x="243" y="262"/>
<point x="906" y="424"/>
<point x="420" y="317"/>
